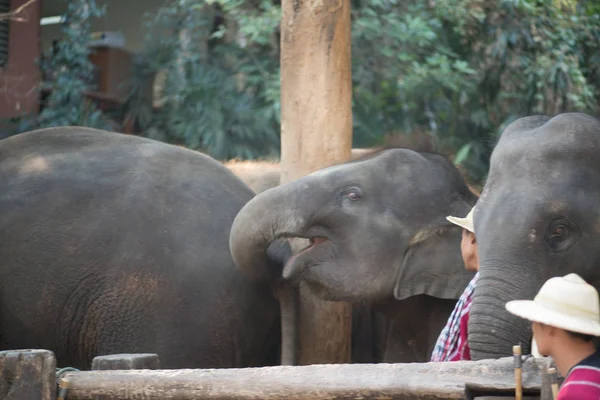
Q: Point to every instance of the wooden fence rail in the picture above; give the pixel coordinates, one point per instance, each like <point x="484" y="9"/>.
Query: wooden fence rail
<point x="423" y="381"/>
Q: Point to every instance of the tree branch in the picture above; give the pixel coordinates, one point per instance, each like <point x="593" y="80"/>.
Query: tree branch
<point x="14" y="15"/>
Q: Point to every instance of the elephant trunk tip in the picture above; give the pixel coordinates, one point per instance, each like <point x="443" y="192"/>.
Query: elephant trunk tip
<point x="256" y="240"/>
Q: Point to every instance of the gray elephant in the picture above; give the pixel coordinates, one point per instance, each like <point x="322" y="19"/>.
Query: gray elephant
<point x="111" y="243"/>
<point x="378" y="235"/>
<point x="538" y="217"/>
<point x="265" y="174"/>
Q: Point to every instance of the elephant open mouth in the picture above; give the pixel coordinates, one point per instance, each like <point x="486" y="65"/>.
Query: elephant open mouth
<point x="293" y="267"/>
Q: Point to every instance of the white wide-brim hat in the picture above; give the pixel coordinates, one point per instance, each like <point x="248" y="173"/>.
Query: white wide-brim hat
<point x="466" y="222"/>
<point x="567" y="302"/>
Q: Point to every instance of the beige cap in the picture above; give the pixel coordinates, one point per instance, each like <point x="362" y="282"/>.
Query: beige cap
<point x="466" y="222"/>
<point x="566" y="302"/>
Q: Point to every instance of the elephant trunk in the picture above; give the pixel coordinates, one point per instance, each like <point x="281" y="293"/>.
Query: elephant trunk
<point x="289" y="302"/>
<point x="493" y="331"/>
<point x="269" y="216"/>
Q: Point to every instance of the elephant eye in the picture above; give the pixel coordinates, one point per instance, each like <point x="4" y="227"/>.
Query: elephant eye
<point x="353" y="194"/>
<point x="561" y="234"/>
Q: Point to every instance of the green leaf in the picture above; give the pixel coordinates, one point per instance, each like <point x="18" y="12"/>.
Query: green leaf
<point x="462" y="153"/>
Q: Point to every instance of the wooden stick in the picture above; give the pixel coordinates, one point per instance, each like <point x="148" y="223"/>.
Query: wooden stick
<point x="553" y="382"/>
<point x="518" y="373"/>
<point x="313" y="382"/>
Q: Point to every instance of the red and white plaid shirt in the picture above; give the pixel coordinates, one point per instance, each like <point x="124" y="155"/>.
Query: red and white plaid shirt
<point x="452" y="343"/>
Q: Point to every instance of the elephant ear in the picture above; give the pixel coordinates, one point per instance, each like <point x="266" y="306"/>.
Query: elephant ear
<point x="433" y="265"/>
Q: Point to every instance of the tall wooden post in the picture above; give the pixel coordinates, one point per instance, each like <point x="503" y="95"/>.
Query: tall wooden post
<point x="316" y="132"/>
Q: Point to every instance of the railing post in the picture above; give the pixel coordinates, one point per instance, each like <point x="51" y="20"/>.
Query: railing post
<point x="27" y="374"/>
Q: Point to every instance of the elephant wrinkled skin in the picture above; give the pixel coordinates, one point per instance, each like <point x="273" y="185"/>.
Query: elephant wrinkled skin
<point x="378" y="234"/>
<point x="111" y="243"/>
<point x="538" y="217"/>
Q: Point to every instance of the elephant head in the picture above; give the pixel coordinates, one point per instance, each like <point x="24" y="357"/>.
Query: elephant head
<point x="376" y="228"/>
<point x="538" y="217"/>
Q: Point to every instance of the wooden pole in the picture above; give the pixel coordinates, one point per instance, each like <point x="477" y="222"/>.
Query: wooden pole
<point x="518" y="372"/>
<point x="316" y="132"/>
<point x="27" y="374"/>
<point x="553" y="382"/>
<point x="315" y="382"/>
<point x="112" y="362"/>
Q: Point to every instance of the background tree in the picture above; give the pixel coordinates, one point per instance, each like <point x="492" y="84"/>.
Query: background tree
<point x="219" y="95"/>
<point x="71" y="72"/>
<point x="457" y="70"/>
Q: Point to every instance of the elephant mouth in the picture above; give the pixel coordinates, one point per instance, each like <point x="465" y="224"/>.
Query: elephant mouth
<point x="292" y="266"/>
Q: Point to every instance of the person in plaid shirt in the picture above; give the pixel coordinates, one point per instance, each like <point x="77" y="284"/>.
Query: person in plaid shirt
<point x="452" y="343"/>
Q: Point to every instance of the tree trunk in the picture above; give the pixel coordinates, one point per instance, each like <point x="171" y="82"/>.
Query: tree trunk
<point x="316" y="132"/>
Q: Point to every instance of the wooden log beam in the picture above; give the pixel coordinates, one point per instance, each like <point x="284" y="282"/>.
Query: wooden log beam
<point x="125" y="361"/>
<point x="27" y="374"/>
<point x="316" y="132"/>
<point x="423" y="381"/>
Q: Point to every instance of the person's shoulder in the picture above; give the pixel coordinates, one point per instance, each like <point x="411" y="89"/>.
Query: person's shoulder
<point x="591" y="363"/>
<point x="579" y="390"/>
<point x="583" y="382"/>
<point x="585" y="373"/>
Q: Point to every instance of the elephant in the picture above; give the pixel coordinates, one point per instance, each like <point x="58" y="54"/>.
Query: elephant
<point x="378" y="236"/>
<point x="265" y="174"/>
<point x="112" y="243"/>
<point x="538" y="217"/>
<point x="369" y="327"/>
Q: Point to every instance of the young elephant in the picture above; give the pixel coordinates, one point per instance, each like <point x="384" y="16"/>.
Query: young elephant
<point x="263" y="175"/>
<point x="538" y="217"/>
<point x="112" y="243"/>
<point x="378" y="233"/>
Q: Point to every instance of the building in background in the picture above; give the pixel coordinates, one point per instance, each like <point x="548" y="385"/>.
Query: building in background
<point x="29" y="36"/>
<point x="19" y="50"/>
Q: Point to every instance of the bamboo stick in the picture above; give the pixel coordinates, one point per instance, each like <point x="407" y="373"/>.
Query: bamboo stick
<point x="553" y="382"/>
<point x="518" y="373"/>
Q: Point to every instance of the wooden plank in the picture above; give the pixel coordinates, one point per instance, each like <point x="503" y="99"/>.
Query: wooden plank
<point x="27" y="374"/>
<point x="125" y="361"/>
<point x="424" y="381"/>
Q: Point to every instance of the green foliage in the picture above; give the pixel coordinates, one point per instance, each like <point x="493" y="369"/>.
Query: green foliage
<point x="458" y="69"/>
<point x="72" y="71"/>
<point x="220" y="96"/>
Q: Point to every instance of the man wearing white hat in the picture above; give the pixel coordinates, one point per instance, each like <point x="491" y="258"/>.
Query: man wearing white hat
<point x="566" y="319"/>
<point x="452" y="343"/>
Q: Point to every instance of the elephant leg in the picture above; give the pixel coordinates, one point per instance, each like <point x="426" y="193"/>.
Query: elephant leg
<point x="415" y="324"/>
<point x="369" y="334"/>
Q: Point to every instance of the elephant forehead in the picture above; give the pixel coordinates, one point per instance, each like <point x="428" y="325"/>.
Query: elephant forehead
<point x="558" y="206"/>
<point x="566" y="137"/>
<point x="387" y="164"/>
